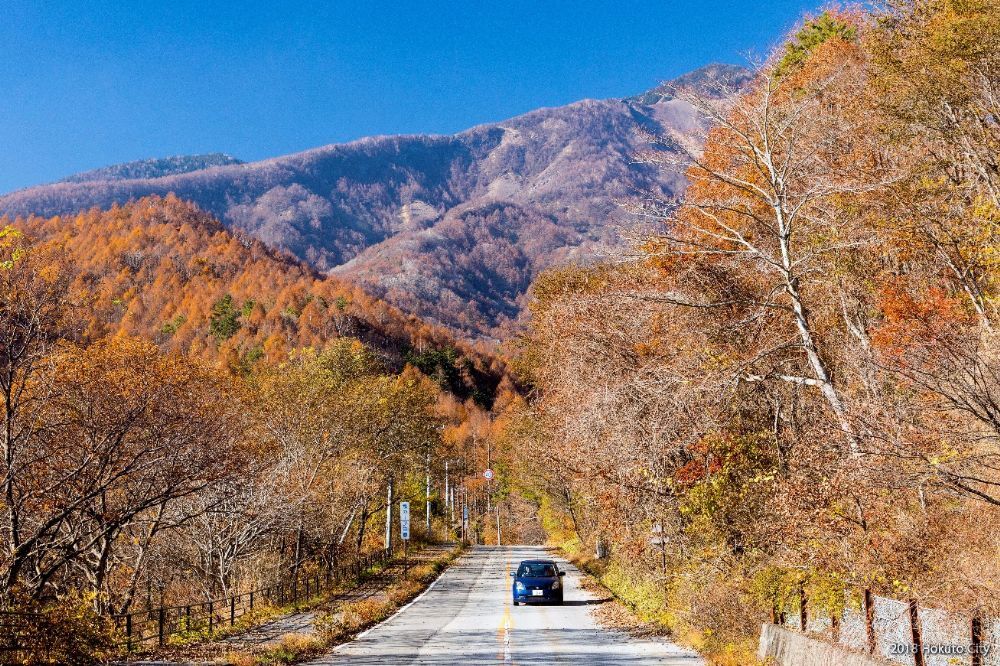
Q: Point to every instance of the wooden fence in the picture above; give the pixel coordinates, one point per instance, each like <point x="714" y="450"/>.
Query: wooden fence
<point x="143" y="629"/>
<point x="27" y="637"/>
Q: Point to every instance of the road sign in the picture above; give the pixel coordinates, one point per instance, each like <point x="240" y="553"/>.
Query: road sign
<point x="657" y="538"/>
<point x="488" y="474"/>
<point x="404" y="520"/>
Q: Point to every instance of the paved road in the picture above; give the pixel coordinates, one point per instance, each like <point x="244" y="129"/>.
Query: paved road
<point x="467" y="618"/>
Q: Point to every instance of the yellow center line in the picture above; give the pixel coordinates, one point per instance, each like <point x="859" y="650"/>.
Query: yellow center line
<point x="506" y="621"/>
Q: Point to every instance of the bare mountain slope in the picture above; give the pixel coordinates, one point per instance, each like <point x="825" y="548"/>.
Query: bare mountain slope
<point x="452" y="228"/>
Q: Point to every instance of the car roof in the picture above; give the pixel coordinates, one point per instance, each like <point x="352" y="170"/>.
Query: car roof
<point x="538" y="561"/>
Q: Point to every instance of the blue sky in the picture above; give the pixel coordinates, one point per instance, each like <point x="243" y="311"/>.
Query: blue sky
<point x="88" y="83"/>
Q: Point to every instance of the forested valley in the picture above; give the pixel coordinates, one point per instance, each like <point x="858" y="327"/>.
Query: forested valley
<point x="789" y="395"/>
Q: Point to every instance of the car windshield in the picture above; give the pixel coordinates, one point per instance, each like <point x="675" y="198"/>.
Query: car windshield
<point x="536" y="570"/>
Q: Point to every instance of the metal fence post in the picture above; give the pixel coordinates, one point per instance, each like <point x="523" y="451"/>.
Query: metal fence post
<point x="918" y="646"/>
<point x="232" y="611"/>
<point x="977" y="641"/>
<point x="803" y="608"/>
<point x="869" y="604"/>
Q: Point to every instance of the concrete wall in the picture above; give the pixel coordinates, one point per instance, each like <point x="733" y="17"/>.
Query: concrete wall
<point x="790" y="648"/>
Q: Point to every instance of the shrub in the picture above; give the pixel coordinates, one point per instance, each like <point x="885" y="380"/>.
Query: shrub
<point x="69" y="632"/>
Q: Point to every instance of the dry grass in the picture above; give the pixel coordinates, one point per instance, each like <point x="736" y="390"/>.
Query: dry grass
<point x="623" y="613"/>
<point x="404" y="591"/>
<point x="291" y="649"/>
<point x="351" y="618"/>
<point x="425" y="573"/>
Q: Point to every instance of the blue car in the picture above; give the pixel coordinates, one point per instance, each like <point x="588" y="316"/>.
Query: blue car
<point x="537" y="581"/>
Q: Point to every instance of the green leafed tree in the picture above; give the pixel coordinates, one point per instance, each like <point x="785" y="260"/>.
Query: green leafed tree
<point x="224" y="321"/>
<point x="811" y="35"/>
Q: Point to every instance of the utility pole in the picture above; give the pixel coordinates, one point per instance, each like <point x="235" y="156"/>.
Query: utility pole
<point x="427" y="498"/>
<point x="489" y="465"/>
<point x="465" y="513"/>
<point x="499" y="541"/>
<point x="447" y="497"/>
<point x="388" y="517"/>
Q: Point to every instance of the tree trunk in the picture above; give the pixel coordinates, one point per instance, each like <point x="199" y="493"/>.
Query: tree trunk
<point x="388" y="516"/>
<point x="817" y="365"/>
<point x="362" y="525"/>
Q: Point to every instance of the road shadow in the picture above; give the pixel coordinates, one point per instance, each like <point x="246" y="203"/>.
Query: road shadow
<point x="586" y="602"/>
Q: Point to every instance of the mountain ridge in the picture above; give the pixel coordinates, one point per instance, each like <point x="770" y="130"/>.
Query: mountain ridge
<point x="451" y="227"/>
<point x="151" y="168"/>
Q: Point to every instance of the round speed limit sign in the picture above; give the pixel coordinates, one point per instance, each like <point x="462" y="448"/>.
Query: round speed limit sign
<point x="488" y="474"/>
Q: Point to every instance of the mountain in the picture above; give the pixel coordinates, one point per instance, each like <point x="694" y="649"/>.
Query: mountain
<point x="161" y="269"/>
<point x="153" y="168"/>
<point x="716" y="81"/>
<point x="451" y="228"/>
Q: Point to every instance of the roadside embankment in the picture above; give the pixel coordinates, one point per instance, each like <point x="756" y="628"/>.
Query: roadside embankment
<point x="297" y="636"/>
<point x="785" y="647"/>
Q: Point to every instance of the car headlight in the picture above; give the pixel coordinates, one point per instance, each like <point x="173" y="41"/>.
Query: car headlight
<point x="556" y="584"/>
<point x="519" y="586"/>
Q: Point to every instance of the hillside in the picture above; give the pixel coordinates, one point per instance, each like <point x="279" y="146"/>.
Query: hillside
<point x="163" y="270"/>
<point x="451" y="228"/>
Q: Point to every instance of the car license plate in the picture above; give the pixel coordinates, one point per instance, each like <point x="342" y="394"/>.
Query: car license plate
<point x="536" y="593"/>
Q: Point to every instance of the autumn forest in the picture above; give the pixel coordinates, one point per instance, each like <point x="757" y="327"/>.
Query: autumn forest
<point x="780" y="401"/>
<point x="792" y="389"/>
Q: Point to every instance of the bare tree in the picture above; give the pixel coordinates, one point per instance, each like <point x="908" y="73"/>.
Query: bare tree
<point x="759" y="214"/>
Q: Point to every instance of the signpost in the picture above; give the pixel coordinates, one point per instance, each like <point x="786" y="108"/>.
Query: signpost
<point x="465" y="522"/>
<point x="404" y="531"/>
<point x="488" y="475"/>
<point x="404" y="520"/>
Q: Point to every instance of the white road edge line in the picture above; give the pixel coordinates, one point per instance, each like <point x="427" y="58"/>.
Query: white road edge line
<point x="420" y="596"/>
